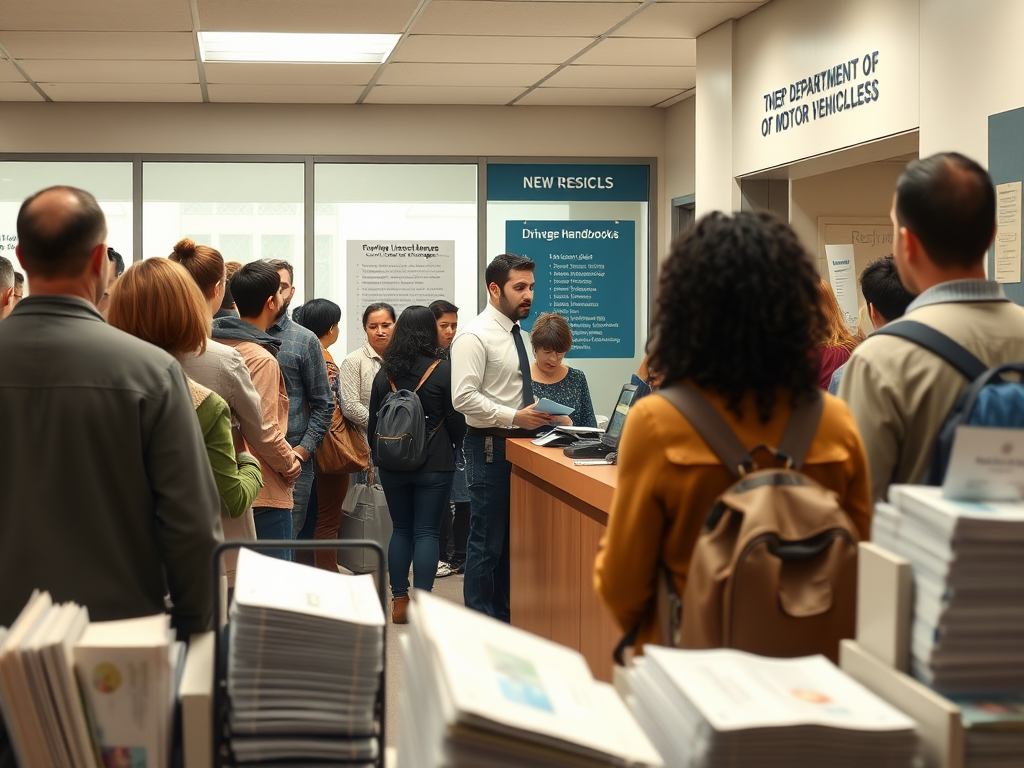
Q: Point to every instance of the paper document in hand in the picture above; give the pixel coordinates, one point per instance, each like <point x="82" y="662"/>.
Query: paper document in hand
<point x="551" y="407"/>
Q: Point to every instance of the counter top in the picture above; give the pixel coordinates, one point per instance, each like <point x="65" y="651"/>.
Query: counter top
<point x="593" y="485"/>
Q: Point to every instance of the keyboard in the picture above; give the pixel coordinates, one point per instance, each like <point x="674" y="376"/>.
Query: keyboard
<point x="588" y="449"/>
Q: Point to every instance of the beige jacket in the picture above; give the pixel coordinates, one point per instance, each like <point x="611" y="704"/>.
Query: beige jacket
<point x="269" y="382"/>
<point x="900" y="393"/>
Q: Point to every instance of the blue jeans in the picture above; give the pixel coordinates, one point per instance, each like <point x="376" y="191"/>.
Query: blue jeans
<point x="273" y="523"/>
<point x="416" y="501"/>
<point x="300" y="496"/>
<point x="489" y="475"/>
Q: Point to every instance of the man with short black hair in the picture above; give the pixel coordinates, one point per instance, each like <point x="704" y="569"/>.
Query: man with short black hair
<point x="944" y="220"/>
<point x="886" y="298"/>
<point x="117" y="269"/>
<point x="125" y="510"/>
<point x="309" y="390"/>
<point x="492" y="387"/>
<point x="6" y="287"/>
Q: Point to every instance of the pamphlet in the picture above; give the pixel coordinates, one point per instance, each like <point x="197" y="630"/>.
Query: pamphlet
<point x="551" y="407"/>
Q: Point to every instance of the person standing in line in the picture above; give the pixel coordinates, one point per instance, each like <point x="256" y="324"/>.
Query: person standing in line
<point x="417" y="498"/>
<point x="311" y="403"/>
<point x="455" y="520"/>
<point x="551" y="339"/>
<point x="19" y="289"/>
<point x="117" y="264"/>
<point x="492" y="388"/>
<point x="838" y="343"/>
<point x="6" y="287"/>
<point x="360" y="367"/>
<point x="127" y="510"/>
<point x="257" y="291"/>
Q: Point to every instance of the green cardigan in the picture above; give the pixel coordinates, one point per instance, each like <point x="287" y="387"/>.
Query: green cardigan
<point x="238" y="480"/>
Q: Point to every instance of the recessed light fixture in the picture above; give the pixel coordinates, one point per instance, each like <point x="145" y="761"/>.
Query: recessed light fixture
<point x="287" y="47"/>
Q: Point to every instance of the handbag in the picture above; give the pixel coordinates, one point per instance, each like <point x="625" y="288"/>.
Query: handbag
<point x="343" y="449"/>
<point x="364" y="515"/>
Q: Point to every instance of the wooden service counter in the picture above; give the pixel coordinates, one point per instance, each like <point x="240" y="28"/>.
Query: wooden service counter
<point x="558" y="514"/>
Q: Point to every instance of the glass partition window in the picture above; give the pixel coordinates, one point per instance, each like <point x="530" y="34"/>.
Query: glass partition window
<point x="247" y="211"/>
<point x="399" y="233"/>
<point x="109" y="183"/>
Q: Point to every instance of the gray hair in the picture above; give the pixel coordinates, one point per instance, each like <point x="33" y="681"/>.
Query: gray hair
<point x="6" y="274"/>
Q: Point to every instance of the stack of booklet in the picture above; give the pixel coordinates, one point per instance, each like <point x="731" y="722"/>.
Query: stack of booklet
<point x="993" y="731"/>
<point x="968" y="562"/>
<point x="305" y="662"/>
<point x="733" y="709"/>
<point x="126" y="674"/>
<point x="481" y="693"/>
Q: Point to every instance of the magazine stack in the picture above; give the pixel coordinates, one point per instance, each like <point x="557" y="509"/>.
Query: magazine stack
<point x="503" y="698"/>
<point x="730" y="708"/>
<point x="967" y="634"/>
<point x="305" y="661"/>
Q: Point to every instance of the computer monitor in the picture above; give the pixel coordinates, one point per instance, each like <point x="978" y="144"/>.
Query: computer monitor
<point x="618" y="419"/>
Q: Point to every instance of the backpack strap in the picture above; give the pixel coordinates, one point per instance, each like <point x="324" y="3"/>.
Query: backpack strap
<point x="801" y="429"/>
<point x="426" y="375"/>
<point x="710" y="425"/>
<point x="938" y="344"/>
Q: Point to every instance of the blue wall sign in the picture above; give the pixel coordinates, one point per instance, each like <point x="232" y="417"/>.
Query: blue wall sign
<point x="586" y="272"/>
<point x="563" y="182"/>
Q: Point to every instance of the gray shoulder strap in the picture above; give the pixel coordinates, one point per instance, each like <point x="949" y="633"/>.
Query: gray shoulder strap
<point x="709" y="425"/>
<point x="801" y="429"/>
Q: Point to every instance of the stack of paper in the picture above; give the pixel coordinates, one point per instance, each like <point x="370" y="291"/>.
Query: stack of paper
<point x="481" y="693"/>
<point x="968" y="561"/>
<point x="730" y="708"/>
<point x="38" y="694"/>
<point x="305" y="657"/>
<point x="993" y="731"/>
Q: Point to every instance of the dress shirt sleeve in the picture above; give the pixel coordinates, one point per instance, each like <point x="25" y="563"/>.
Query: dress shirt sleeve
<point x="351" y="401"/>
<point x="266" y="377"/>
<point x="238" y="481"/>
<point x="186" y="503"/>
<point x="318" y="394"/>
<point x="469" y="359"/>
<point x="454" y="421"/>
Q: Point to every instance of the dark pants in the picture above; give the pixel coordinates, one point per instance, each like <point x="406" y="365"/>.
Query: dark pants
<point x="486" y="588"/>
<point x="454" y="533"/>
<point x="416" y="501"/>
<point x="273" y="523"/>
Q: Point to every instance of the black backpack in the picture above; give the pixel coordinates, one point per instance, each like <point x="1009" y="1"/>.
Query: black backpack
<point x="991" y="400"/>
<point x="401" y="440"/>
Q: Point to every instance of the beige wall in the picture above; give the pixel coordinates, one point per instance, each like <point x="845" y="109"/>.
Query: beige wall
<point x="680" y="159"/>
<point x="715" y="187"/>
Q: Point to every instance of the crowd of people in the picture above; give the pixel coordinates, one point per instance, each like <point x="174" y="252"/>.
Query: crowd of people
<point x="151" y="412"/>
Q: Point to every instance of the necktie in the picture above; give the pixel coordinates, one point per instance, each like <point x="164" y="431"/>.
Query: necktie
<point x="524" y="366"/>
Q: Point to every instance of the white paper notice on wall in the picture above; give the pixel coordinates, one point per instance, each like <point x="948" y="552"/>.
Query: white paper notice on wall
<point x="1007" y="245"/>
<point x="399" y="272"/>
<point x="842" y="274"/>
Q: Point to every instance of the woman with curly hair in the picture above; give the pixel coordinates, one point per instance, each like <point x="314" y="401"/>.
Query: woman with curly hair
<point x="837" y="342"/>
<point x="738" y="319"/>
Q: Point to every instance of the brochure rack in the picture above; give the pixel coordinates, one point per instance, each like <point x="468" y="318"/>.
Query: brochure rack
<point x="222" y="757"/>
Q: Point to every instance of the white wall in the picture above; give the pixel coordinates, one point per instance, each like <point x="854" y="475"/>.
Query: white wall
<point x="715" y="187"/>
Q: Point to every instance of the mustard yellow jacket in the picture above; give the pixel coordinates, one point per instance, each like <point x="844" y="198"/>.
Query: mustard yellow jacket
<point x="669" y="479"/>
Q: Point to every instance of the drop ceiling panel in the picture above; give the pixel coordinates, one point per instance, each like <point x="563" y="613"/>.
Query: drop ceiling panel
<point x="489" y="50"/>
<point x="542" y="19"/>
<point x="683" y="19"/>
<point x="679" y="78"/>
<point x="99" y="45"/>
<point x="498" y="75"/>
<point x="285" y="94"/>
<point x="122" y="92"/>
<point x="9" y="73"/>
<point x="97" y="15"/>
<point x="633" y="51"/>
<point x="18" y="92"/>
<point x="49" y="71"/>
<point x="598" y="97"/>
<point x="294" y="74"/>
<point x="352" y="16"/>
<point x="405" y="94"/>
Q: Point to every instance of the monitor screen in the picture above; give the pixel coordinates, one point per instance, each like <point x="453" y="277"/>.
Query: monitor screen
<point x="618" y="418"/>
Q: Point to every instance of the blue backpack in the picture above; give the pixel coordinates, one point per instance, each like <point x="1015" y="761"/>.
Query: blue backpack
<point x="401" y="441"/>
<point x="991" y="400"/>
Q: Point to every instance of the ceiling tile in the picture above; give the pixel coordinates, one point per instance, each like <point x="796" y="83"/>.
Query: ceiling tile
<point x="290" y="74"/>
<point x="48" y="71"/>
<point x="122" y="91"/>
<point x="650" y="51"/>
<point x="677" y="99"/>
<point x="488" y="50"/>
<point x="523" y="75"/>
<point x="285" y="94"/>
<point x="9" y="73"/>
<point x="598" y="97"/>
<point x="18" y="92"/>
<point x="542" y="19"/>
<point x="575" y="76"/>
<point x="406" y="94"/>
<point x="98" y="15"/>
<point x="682" y="19"/>
<point x="352" y="16"/>
<point x="99" y="45"/>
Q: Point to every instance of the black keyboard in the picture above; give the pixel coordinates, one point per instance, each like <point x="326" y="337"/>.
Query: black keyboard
<point x="588" y="449"/>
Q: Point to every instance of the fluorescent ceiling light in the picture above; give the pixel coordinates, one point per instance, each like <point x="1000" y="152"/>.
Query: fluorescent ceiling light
<point x="295" y="47"/>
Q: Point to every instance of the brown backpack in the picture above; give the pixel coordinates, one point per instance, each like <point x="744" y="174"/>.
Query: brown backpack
<point x="774" y="571"/>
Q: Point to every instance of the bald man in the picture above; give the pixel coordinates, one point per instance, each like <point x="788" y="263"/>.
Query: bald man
<point x="109" y="499"/>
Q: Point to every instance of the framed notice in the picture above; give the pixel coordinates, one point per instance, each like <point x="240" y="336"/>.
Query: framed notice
<point x="870" y="237"/>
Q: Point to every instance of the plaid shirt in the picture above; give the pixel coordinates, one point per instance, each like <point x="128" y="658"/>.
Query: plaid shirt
<point x="311" y="403"/>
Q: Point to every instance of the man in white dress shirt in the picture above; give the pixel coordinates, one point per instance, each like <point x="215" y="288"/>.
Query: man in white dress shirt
<point x="492" y="388"/>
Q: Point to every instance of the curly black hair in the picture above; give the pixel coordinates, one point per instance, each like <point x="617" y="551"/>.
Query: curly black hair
<point x="737" y="311"/>
<point x="415" y="336"/>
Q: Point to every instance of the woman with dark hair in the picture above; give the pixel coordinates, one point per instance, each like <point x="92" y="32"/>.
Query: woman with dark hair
<point x="360" y="367"/>
<point x="738" y="319"/>
<point x="417" y="499"/>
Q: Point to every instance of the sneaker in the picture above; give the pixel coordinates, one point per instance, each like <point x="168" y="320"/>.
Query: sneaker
<point x="443" y="569"/>
<point x="458" y="568"/>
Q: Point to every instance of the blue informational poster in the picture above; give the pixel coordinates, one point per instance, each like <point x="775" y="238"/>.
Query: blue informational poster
<point x="586" y="272"/>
